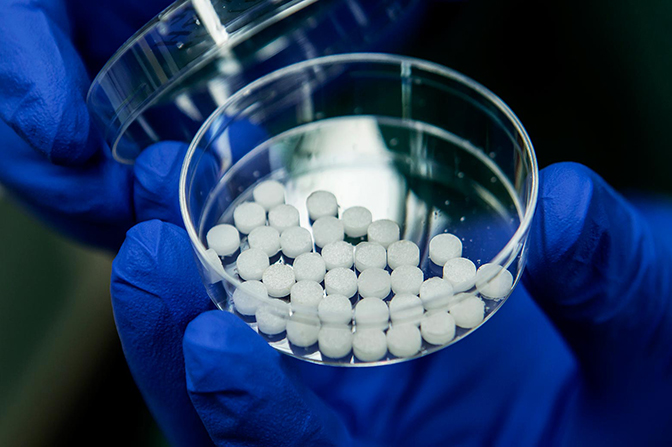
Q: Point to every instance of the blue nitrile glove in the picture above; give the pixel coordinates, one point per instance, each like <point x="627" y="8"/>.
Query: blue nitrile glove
<point x="598" y="267"/>
<point x="51" y="156"/>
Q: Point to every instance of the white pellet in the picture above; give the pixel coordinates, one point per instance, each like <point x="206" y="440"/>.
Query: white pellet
<point x="306" y="294"/>
<point x="341" y="281"/>
<point x="403" y="253"/>
<point x="266" y="239"/>
<point x="303" y="329"/>
<point x="407" y="279"/>
<point x="295" y="241"/>
<point x="338" y="254"/>
<point x="282" y="217"/>
<point x="309" y="266"/>
<point x="443" y="247"/>
<point x="369" y="255"/>
<point x="335" y="341"/>
<point x="249" y="296"/>
<point x="372" y="313"/>
<point x="369" y="345"/>
<point x="320" y="204"/>
<point x="404" y="340"/>
<point x="269" y="194"/>
<point x="335" y="309"/>
<point x="374" y="283"/>
<point x="383" y="232"/>
<point x="468" y="313"/>
<point x="251" y="264"/>
<point x="436" y="293"/>
<point x="248" y="216"/>
<point x="326" y="230"/>
<point x="213" y="266"/>
<point x="272" y="317"/>
<point x="406" y="309"/>
<point x="460" y="272"/>
<point x="356" y="221"/>
<point x="438" y="328"/>
<point x="497" y="287"/>
<point x="278" y="279"/>
<point x="224" y="239"/>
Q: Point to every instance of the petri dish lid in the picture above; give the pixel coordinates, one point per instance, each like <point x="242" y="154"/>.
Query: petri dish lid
<point x="165" y="81"/>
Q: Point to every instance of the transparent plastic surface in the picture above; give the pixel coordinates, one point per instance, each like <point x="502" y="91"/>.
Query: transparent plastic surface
<point x="413" y="142"/>
<point x="172" y="74"/>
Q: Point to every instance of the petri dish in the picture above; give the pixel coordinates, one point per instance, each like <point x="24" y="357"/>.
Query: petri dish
<point x="413" y="142"/>
<point x="169" y="77"/>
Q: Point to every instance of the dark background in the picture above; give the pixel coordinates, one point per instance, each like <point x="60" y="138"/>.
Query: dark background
<point x="591" y="82"/>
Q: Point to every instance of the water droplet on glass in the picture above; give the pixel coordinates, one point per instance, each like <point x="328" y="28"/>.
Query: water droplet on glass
<point x="197" y="22"/>
<point x="492" y="154"/>
<point x="240" y="189"/>
<point x="460" y="175"/>
<point x="393" y="142"/>
<point x="447" y="202"/>
<point x="493" y="179"/>
<point x="462" y="219"/>
<point x="256" y="174"/>
<point x="180" y="45"/>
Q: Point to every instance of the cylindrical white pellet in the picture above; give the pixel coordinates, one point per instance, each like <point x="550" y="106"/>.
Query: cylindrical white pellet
<point x="224" y="239"/>
<point x="403" y="253"/>
<point x="383" y="232"/>
<point x="248" y="216"/>
<point x="335" y="341"/>
<point x="406" y="309"/>
<point x="295" y="241"/>
<point x="494" y="281"/>
<point x="269" y="194"/>
<point x="468" y="313"/>
<point x="266" y="239"/>
<point x="372" y="313"/>
<point x="278" y="279"/>
<point x="340" y="282"/>
<point x="213" y="265"/>
<point x="436" y="293"/>
<point x="306" y="294"/>
<point x="369" y="345"/>
<point x="282" y="217"/>
<point x="460" y="272"/>
<point x="374" y="283"/>
<point x="335" y="309"/>
<point x="407" y="279"/>
<point x="404" y="340"/>
<point x="438" y="328"/>
<point x="356" y="221"/>
<point x="251" y="264"/>
<point x="369" y="255"/>
<point x="309" y="266"/>
<point x="326" y="230"/>
<point x="443" y="247"/>
<point x="249" y="296"/>
<point x="272" y="317"/>
<point x="303" y="329"/>
<point x="338" y="255"/>
<point x="321" y="204"/>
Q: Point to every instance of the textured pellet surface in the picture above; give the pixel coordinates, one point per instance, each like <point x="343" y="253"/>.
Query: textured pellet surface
<point x="249" y="296"/>
<point x="248" y="216"/>
<point x="338" y="254"/>
<point x="403" y="253"/>
<point x="326" y="230"/>
<point x="494" y="281"/>
<point x="321" y="204"/>
<point x="224" y="239"/>
<point x="306" y="294"/>
<point x="369" y="255"/>
<point x="460" y="272"/>
<point x="372" y="313"/>
<point x="404" y="340"/>
<point x="436" y="293"/>
<point x="356" y="221"/>
<point x="335" y="309"/>
<point x="383" y="232"/>
<point x="303" y="329"/>
<point x="438" y="328"/>
<point x="443" y="247"/>
<point x="369" y="345"/>
<point x="341" y="281"/>
<point x="309" y="266"/>
<point x="335" y="341"/>
<point x="266" y="239"/>
<point x="283" y="216"/>
<point x="251" y="264"/>
<point x="468" y="313"/>
<point x="272" y="318"/>
<point x="374" y="283"/>
<point x="278" y="279"/>
<point x="407" y="279"/>
<point x="295" y="241"/>
<point x="406" y="308"/>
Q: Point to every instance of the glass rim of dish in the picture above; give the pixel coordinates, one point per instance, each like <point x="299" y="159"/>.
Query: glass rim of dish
<point x="507" y="253"/>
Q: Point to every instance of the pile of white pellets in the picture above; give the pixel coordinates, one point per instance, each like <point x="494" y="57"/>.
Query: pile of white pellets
<point x="319" y="290"/>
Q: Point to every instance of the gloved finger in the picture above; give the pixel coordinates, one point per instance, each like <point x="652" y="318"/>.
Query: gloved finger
<point x="156" y="291"/>
<point x="43" y="81"/>
<point x="91" y="202"/>
<point x="598" y="270"/>
<point x="158" y="168"/>
<point x="243" y="392"/>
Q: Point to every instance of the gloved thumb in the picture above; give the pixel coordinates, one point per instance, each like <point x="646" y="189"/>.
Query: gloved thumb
<point x="156" y="291"/>
<point x="245" y="393"/>
<point x="601" y="274"/>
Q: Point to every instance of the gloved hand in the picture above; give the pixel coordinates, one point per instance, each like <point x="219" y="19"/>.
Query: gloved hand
<point x="592" y="369"/>
<point x="51" y="156"/>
